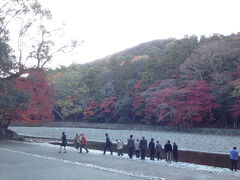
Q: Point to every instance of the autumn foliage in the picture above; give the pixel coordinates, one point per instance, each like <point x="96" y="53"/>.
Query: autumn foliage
<point x="182" y="106"/>
<point x="39" y="105"/>
<point x="91" y="109"/>
<point x="138" y="100"/>
<point x="193" y="81"/>
<point x="107" y="104"/>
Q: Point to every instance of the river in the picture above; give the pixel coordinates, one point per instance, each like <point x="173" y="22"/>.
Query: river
<point x="185" y="141"/>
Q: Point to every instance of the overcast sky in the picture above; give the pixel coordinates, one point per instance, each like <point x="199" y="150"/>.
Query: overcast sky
<point x="109" y="26"/>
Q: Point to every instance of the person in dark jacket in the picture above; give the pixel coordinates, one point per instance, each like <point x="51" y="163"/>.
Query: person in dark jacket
<point x="143" y="147"/>
<point x="168" y="150"/>
<point x="64" y="142"/>
<point x="151" y="146"/>
<point x="158" y="150"/>
<point x="175" y="152"/>
<point x="108" y="145"/>
<point x="131" y="146"/>
<point x="234" y="158"/>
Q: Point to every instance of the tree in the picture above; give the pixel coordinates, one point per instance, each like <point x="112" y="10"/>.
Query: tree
<point x="91" y="111"/>
<point x="35" y="44"/>
<point x="40" y="102"/>
<point x="235" y="111"/>
<point x="138" y="102"/>
<point x="175" y="55"/>
<point x="211" y="59"/>
<point x="78" y="82"/>
<point x="25" y="95"/>
<point x="235" y="107"/>
<point x="123" y="109"/>
<point x="107" y="108"/>
<point x="213" y="62"/>
<point x="181" y="106"/>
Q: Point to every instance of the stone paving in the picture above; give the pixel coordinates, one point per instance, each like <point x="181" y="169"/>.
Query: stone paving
<point x="37" y="161"/>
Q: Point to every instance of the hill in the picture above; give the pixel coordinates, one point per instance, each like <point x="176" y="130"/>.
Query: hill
<point x="182" y="82"/>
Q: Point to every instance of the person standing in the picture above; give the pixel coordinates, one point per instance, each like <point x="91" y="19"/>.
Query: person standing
<point x="64" y="142"/>
<point x="108" y="145"/>
<point x="137" y="149"/>
<point x="168" y="150"/>
<point x="143" y="147"/>
<point x="131" y="146"/>
<point x="83" y="143"/>
<point x="175" y="152"/>
<point x="77" y="141"/>
<point x="234" y="158"/>
<point x="119" y="146"/>
<point x="158" y="150"/>
<point x="151" y="146"/>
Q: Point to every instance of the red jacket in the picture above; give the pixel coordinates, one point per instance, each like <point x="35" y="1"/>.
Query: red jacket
<point x="84" y="140"/>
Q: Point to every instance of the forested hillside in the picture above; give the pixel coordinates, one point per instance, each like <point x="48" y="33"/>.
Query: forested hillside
<point x="183" y="82"/>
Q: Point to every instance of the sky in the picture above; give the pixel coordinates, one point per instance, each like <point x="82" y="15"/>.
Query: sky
<point x="110" y="26"/>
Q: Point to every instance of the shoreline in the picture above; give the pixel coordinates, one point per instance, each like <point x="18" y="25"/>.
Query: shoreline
<point x="112" y="126"/>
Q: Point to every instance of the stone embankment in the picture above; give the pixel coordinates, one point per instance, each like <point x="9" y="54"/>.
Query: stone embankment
<point x="9" y="134"/>
<point x="202" y="158"/>
<point x="214" y="131"/>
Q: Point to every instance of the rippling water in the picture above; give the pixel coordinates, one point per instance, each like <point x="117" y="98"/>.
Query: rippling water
<point x="189" y="141"/>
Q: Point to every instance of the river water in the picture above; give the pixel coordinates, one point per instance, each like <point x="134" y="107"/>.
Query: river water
<point x="185" y="141"/>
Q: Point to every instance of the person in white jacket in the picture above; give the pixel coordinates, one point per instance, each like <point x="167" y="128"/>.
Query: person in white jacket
<point x="77" y="141"/>
<point x="137" y="149"/>
<point x="119" y="146"/>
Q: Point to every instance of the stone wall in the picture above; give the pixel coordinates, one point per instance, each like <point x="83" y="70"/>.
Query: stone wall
<point x="202" y="158"/>
<point x="9" y="134"/>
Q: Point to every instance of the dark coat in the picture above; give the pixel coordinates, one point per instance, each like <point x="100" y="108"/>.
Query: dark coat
<point x="64" y="140"/>
<point x="175" y="148"/>
<point x="143" y="144"/>
<point x="131" y="143"/>
<point x="158" y="147"/>
<point x="151" y="146"/>
<point x="108" y="142"/>
<point x="168" y="147"/>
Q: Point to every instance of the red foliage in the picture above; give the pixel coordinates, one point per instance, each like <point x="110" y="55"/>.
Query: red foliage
<point x="41" y="102"/>
<point x="182" y="106"/>
<point x="107" y="105"/>
<point x="138" y="100"/>
<point x="91" y="109"/>
<point x="155" y="84"/>
<point x="137" y="86"/>
<point x="138" y="104"/>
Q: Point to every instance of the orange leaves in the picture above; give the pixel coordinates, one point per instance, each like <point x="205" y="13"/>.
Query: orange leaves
<point x="107" y="104"/>
<point x="40" y="102"/>
<point x="91" y="109"/>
